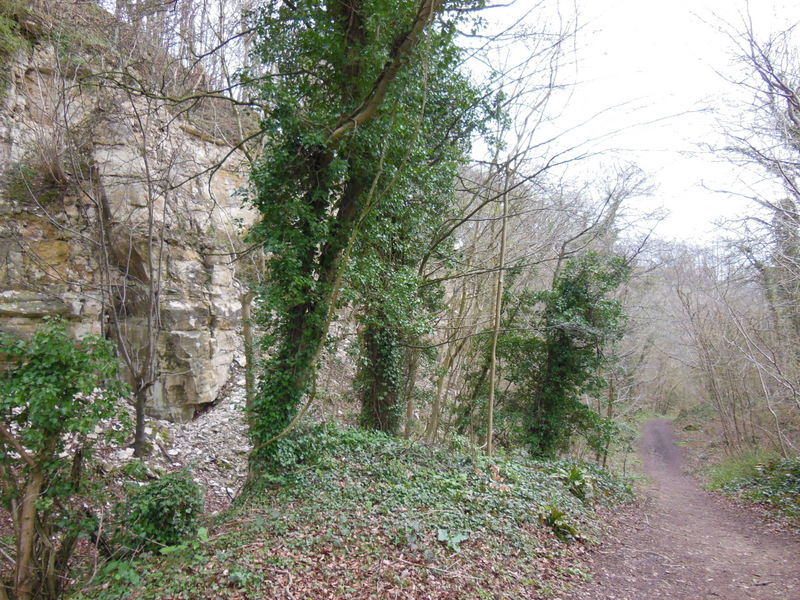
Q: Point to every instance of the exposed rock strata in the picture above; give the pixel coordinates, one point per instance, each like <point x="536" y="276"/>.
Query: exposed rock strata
<point x="108" y="200"/>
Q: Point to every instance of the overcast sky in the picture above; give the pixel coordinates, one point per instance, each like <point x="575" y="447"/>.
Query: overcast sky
<point x="658" y="67"/>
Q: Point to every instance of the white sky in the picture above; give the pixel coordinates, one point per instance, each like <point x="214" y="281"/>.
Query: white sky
<point x="654" y="64"/>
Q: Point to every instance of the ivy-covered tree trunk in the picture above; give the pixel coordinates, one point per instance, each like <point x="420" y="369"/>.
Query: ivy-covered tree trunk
<point x="577" y="322"/>
<point x="346" y="85"/>
<point x="555" y="397"/>
<point x="380" y="380"/>
<point x="290" y="372"/>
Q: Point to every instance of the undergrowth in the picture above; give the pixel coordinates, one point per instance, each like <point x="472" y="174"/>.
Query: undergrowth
<point x="762" y="478"/>
<point x="159" y="513"/>
<point x="353" y="514"/>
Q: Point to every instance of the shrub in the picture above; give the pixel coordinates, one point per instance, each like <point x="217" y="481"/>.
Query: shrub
<point x="160" y="513"/>
<point x="57" y="399"/>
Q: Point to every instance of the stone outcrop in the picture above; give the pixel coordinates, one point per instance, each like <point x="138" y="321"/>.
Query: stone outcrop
<point x="112" y="205"/>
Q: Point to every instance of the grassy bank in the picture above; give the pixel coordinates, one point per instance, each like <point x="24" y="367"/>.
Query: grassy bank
<point x="764" y="479"/>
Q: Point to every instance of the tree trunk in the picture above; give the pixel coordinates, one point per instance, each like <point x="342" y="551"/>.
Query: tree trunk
<point x="140" y="436"/>
<point x="498" y="309"/>
<point x="380" y="396"/>
<point x="291" y="370"/>
<point x="412" y="363"/>
<point x="24" y="575"/>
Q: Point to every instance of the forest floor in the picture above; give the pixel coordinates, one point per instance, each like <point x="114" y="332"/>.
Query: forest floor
<point x="683" y="543"/>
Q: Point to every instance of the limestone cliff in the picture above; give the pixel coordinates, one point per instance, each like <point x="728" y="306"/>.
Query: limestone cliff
<point x="120" y="215"/>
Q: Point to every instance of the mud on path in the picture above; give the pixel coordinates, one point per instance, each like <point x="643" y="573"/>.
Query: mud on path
<point x="683" y="543"/>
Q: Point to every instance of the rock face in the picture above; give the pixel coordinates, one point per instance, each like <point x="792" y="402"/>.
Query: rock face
<point x="120" y="216"/>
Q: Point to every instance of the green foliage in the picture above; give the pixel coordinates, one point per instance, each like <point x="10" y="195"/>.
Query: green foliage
<point x="600" y="433"/>
<point x="379" y="379"/>
<point x="578" y="482"/>
<point x="315" y="190"/>
<point x="136" y="470"/>
<point x="159" y="513"/>
<point x="27" y="183"/>
<point x="778" y="486"/>
<point x="556" y="520"/>
<point x="396" y="304"/>
<point x="242" y="578"/>
<point x="451" y="539"/>
<point x="58" y="399"/>
<point x="118" y="572"/>
<point x="77" y="34"/>
<point x="194" y="544"/>
<point x="464" y="491"/>
<point x="552" y="348"/>
<point x="11" y="40"/>
<point x="588" y="481"/>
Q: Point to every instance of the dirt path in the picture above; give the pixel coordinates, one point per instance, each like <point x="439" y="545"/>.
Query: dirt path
<point x="683" y="543"/>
